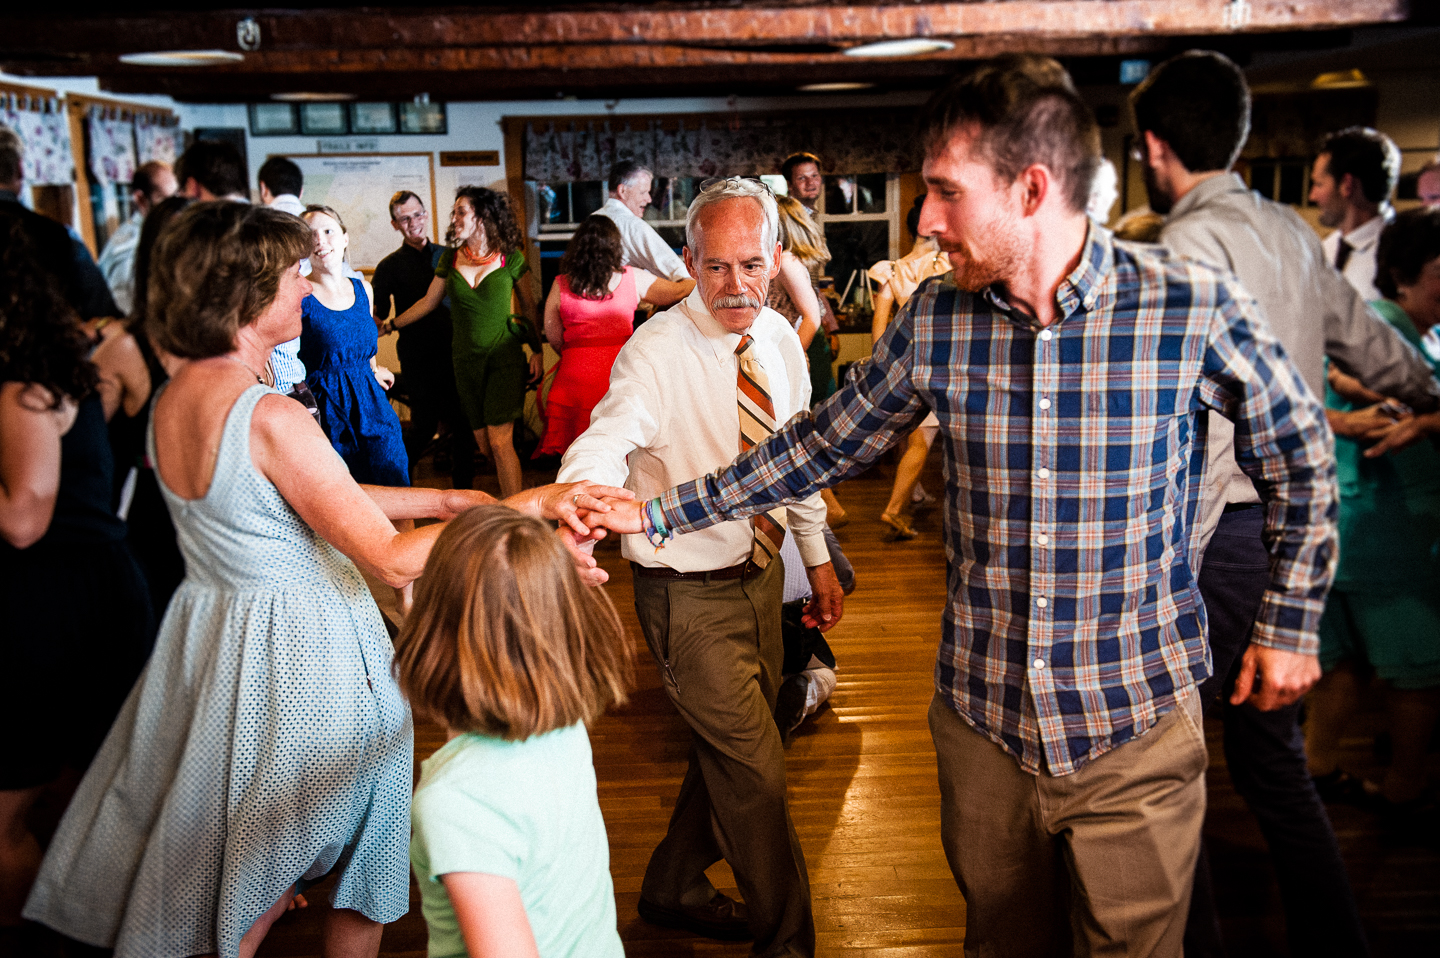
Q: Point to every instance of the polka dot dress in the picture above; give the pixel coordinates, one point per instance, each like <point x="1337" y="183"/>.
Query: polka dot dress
<point x="266" y="743"/>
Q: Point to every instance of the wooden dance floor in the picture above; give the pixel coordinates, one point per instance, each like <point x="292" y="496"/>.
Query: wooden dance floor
<point x="864" y="797"/>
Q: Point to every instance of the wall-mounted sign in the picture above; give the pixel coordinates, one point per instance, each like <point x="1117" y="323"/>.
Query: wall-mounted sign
<point x="367" y="145"/>
<point x="470" y="158"/>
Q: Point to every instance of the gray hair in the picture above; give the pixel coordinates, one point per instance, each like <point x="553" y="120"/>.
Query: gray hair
<point x="731" y="188"/>
<point x="12" y="155"/>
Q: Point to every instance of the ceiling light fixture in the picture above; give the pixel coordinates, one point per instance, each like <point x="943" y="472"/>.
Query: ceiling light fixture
<point x="837" y="87"/>
<point x="312" y="97"/>
<point x="1340" y="79"/>
<point x="913" y="47"/>
<point x="181" y="58"/>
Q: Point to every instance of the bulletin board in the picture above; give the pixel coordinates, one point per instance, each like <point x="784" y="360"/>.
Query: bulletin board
<point x="358" y="186"/>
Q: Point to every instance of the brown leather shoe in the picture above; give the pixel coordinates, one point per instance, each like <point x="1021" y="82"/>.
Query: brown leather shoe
<point x="722" y="918"/>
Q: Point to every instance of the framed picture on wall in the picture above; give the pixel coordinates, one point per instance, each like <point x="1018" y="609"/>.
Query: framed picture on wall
<point x="422" y="118"/>
<point x="273" y="119"/>
<point x="322" y="119"/>
<point x="372" y="118"/>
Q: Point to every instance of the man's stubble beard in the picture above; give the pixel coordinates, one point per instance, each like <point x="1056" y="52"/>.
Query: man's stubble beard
<point x="977" y="270"/>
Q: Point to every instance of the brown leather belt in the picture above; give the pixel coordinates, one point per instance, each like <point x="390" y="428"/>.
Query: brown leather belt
<point x="660" y="572"/>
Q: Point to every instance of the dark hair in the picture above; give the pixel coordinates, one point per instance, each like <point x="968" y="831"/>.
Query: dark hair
<point x="215" y="165"/>
<point x="216" y="268"/>
<point x="1198" y="103"/>
<point x="1368" y="155"/>
<point x="401" y="198"/>
<point x="504" y="638"/>
<point x="156" y="220"/>
<point x="1026" y="114"/>
<point x="144" y="179"/>
<point x="493" y="211"/>
<point x="1410" y="241"/>
<point x="795" y="159"/>
<point x="281" y="176"/>
<point x="41" y="341"/>
<point x="623" y="172"/>
<point x="592" y="257"/>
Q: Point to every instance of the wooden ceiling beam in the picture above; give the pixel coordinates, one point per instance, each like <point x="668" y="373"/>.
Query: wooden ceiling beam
<point x="755" y="25"/>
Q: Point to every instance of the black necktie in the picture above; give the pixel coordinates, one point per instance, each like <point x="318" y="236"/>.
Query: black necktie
<point x="1342" y="254"/>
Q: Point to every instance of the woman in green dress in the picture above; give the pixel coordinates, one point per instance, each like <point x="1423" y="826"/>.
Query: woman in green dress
<point x="480" y="276"/>
<point x="1383" y="614"/>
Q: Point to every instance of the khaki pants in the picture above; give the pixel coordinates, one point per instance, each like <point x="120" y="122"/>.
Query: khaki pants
<point x="1099" y="862"/>
<point x="719" y="650"/>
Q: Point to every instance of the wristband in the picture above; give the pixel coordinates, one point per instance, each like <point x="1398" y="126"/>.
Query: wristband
<point x="654" y="524"/>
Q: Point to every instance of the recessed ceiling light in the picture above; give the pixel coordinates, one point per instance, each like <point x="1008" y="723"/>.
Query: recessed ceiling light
<point x="312" y="97"/>
<point x="1339" y="79"/>
<point x="913" y="47"/>
<point x="833" y="87"/>
<point x="181" y="58"/>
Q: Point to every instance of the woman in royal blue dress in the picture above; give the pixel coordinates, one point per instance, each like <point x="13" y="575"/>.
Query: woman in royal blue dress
<point x="337" y="346"/>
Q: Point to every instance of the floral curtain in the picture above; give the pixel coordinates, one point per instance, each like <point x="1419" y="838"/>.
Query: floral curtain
<point x="157" y="138"/>
<point x="45" y="132"/>
<point x="112" y="146"/>
<point x="847" y="142"/>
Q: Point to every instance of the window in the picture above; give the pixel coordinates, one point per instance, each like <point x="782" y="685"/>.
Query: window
<point x="1285" y="180"/>
<point x="860" y="214"/>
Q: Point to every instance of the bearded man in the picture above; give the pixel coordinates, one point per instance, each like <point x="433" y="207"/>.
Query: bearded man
<point x="693" y="387"/>
<point x="1071" y="376"/>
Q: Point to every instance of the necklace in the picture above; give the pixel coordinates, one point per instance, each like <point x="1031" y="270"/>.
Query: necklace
<point x="477" y="260"/>
<point x="258" y="378"/>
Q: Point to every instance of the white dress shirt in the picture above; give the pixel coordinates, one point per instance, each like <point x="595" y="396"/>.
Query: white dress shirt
<point x="1364" y="242"/>
<point x="117" y="262"/>
<point x="641" y="245"/>
<point x="670" y="416"/>
<point x="288" y="203"/>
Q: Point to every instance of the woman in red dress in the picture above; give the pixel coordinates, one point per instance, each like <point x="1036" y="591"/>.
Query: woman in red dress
<point x="589" y="315"/>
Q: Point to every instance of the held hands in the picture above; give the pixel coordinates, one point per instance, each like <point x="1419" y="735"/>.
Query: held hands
<point x="1403" y="434"/>
<point x="1282" y="677"/>
<point x="573" y="505"/>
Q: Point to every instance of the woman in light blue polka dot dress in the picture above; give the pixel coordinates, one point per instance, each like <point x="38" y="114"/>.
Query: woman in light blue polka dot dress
<point x="266" y="745"/>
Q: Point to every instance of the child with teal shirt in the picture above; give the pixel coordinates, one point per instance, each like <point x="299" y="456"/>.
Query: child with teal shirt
<point x="514" y="655"/>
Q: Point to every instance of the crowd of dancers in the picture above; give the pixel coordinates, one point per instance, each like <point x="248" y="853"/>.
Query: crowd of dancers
<point x="1142" y="436"/>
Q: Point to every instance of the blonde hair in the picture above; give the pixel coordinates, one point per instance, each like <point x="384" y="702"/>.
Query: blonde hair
<point x="504" y="638"/>
<point x="800" y="235"/>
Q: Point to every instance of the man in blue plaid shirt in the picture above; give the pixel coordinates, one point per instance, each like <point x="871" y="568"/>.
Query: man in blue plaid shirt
<point x="1071" y="374"/>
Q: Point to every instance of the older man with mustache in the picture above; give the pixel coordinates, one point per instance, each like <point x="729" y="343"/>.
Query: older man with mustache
<point x="694" y="387"/>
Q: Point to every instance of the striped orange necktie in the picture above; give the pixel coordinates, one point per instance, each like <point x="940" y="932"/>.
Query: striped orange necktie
<point x="757" y="422"/>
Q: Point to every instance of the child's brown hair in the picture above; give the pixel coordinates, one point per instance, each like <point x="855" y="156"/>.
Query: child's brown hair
<point x="504" y="638"/>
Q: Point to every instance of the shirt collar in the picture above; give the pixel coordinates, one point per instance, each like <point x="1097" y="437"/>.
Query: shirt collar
<point x="1367" y="234"/>
<point x="1205" y="191"/>
<point x="1079" y="289"/>
<point x="613" y="205"/>
<point x="724" y="341"/>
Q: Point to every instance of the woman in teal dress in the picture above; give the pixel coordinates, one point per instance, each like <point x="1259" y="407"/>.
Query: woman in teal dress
<point x="480" y="276"/>
<point x="1383" y="614"/>
<point x="266" y="744"/>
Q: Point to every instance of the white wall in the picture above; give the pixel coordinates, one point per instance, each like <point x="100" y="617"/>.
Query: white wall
<point x="476" y="126"/>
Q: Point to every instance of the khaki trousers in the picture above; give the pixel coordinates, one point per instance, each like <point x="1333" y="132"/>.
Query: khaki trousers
<point x="1099" y="862"/>
<point x="719" y="650"/>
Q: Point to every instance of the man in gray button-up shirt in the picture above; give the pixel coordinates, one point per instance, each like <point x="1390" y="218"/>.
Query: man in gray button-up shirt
<point x="1192" y="115"/>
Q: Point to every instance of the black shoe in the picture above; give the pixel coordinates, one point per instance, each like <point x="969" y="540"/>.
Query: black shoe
<point x="722" y="918"/>
<point x="790" y="705"/>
